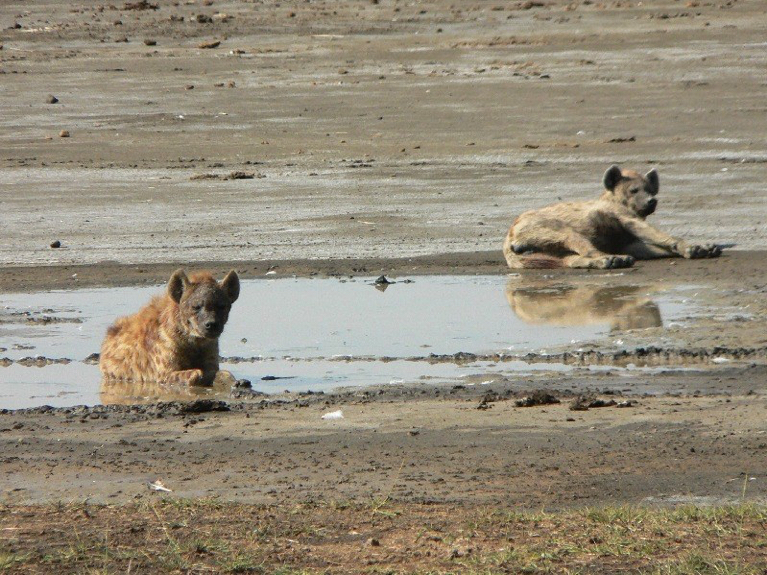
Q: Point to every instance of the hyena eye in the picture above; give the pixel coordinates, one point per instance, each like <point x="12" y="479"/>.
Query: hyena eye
<point x="634" y="190"/>
<point x="197" y="307"/>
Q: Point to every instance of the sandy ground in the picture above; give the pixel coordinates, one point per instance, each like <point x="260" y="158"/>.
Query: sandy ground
<point x="372" y="129"/>
<point x="399" y="138"/>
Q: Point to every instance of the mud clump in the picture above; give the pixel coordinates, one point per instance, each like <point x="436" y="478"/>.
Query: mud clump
<point x="584" y="403"/>
<point x="242" y="389"/>
<point x="201" y="406"/>
<point x="487" y="400"/>
<point x="230" y="176"/>
<point x="141" y="5"/>
<point x="41" y="361"/>
<point x="538" y="397"/>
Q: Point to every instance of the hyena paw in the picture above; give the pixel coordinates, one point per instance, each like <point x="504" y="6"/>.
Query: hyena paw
<point x="614" y="262"/>
<point x="186" y="377"/>
<point x="704" y="251"/>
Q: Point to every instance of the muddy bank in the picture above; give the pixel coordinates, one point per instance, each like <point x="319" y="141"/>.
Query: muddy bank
<point x="736" y="268"/>
<point x="470" y="448"/>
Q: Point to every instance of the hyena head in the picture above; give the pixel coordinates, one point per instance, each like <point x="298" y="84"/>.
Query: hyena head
<point x="633" y="190"/>
<point x="203" y="302"/>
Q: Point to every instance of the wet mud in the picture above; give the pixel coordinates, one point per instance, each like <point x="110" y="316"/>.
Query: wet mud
<point x="350" y="140"/>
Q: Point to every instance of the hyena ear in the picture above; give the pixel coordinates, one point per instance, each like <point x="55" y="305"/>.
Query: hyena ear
<point x="653" y="180"/>
<point x="231" y="285"/>
<point x="177" y="283"/>
<point x="611" y="178"/>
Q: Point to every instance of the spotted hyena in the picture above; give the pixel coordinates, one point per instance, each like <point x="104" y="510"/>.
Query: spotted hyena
<point x="174" y="338"/>
<point x="610" y="232"/>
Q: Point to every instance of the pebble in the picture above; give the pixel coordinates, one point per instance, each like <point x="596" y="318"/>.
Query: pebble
<point x="51" y="99"/>
<point x="56" y="244"/>
<point x="64" y="134"/>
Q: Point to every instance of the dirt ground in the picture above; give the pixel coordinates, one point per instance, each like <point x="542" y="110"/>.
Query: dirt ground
<point x="325" y="138"/>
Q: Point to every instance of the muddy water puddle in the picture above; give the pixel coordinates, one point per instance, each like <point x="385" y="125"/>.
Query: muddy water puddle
<point x="319" y="334"/>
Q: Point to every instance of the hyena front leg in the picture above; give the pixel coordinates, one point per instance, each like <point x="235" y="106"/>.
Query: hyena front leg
<point x="186" y="377"/>
<point x="653" y="236"/>
<point x="642" y="251"/>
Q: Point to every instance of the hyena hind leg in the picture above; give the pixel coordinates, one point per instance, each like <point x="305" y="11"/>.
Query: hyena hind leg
<point x="602" y="262"/>
<point x="588" y="256"/>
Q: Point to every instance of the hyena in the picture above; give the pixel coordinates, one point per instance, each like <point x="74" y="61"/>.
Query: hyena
<point x="174" y="338"/>
<point x="610" y="232"/>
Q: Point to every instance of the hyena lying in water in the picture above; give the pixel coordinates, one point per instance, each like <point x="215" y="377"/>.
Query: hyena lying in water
<point x="610" y="232"/>
<point x="174" y="338"/>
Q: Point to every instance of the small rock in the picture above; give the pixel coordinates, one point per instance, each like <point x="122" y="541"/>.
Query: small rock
<point x="209" y="45"/>
<point x="242" y="384"/>
<point x="189" y="87"/>
<point x="51" y="99"/>
<point x="64" y="134"/>
<point x="626" y="403"/>
<point x="149" y="42"/>
<point x="382" y="281"/>
<point x="56" y="244"/>
<point x="203" y="19"/>
<point x="373" y="542"/>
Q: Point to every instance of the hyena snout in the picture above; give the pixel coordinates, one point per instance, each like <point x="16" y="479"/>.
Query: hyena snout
<point x="650" y="207"/>
<point x="212" y="325"/>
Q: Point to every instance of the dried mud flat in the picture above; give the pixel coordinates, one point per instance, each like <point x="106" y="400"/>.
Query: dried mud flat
<point x="370" y="129"/>
<point x="358" y="138"/>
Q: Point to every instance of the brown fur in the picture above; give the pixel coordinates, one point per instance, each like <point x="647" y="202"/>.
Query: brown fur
<point x="610" y="232"/>
<point x="174" y="338"/>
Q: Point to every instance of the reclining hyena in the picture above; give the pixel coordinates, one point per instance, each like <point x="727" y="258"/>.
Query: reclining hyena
<point x="610" y="232"/>
<point x="174" y="338"/>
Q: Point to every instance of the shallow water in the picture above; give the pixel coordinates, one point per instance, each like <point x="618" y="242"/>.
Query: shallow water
<point x="298" y="328"/>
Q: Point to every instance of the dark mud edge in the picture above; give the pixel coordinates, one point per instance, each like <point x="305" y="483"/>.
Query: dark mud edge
<point x="641" y="357"/>
<point x="562" y="387"/>
<point x="727" y="269"/>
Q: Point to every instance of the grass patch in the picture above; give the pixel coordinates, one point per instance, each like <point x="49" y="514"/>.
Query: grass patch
<point x="177" y="536"/>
